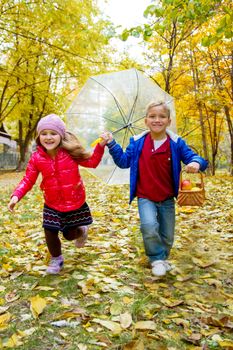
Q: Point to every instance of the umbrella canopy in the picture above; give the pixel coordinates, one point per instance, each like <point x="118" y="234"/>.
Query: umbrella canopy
<point x="114" y="102"/>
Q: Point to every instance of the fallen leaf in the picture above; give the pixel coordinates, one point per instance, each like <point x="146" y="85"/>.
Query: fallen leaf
<point x="116" y="308"/>
<point x="145" y="325"/>
<point x="201" y="263"/>
<point x="125" y="320"/>
<point x="171" y="302"/>
<point x="113" y="326"/>
<point x="4" y="319"/>
<point x="12" y="296"/>
<point x="37" y="305"/>
<point x="134" y="345"/>
<point x="13" y="342"/>
<point x="226" y="343"/>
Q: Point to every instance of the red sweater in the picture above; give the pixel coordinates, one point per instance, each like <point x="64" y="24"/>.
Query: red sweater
<point x="155" y="172"/>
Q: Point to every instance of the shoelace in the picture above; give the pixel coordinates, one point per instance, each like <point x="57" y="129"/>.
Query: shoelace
<point x="55" y="262"/>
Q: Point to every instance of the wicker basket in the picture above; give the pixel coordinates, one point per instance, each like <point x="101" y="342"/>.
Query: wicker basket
<point x="189" y="197"/>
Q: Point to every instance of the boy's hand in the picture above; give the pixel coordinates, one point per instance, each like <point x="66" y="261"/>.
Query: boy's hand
<point x="12" y="203"/>
<point x="192" y="167"/>
<point x="106" y="137"/>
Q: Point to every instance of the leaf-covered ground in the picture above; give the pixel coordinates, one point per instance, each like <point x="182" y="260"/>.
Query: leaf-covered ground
<point x="106" y="297"/>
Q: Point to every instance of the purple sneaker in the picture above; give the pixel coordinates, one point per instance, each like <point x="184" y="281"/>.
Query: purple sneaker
<point x="80" y="242"/>
<point x="55" y="265"/>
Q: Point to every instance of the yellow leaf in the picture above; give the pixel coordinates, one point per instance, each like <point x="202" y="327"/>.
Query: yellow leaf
<point x="44" y="288"/>
<point x="12" y="342"/>
<point x="64" y="334"/>
<point x="4" y="319"/>
<point x="166" y="321"/>
<point x="55" y="294"/>
<point x="98" y="213"/>
<point x="125" y="320"/>
<point x="145" y="325"/>
<point x="201" y="263"/>
<point x="7" y="267"/>
<point x="37" y="305"/>
<point x="127" y="300"/>
<point x="94" y="143"/>
<point x="226" y="343"/>
<point x="182" y="322"/>
<point x="113" y="326"/>
<point x="214" y="282"/>
<point x="170" y="302"/>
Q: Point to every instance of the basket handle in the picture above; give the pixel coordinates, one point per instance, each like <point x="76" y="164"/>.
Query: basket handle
<point x="201" y="176"/>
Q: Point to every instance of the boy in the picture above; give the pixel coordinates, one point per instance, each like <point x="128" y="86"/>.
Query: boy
<point x="154" y="158"/>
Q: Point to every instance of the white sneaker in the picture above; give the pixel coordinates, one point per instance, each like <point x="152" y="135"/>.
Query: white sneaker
<point x="55" y="265"/>
<point x="167" y="265"/>
<point x="159" y="268"/>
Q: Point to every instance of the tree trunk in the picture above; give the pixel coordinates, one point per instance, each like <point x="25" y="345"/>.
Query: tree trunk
<point x="203" y="134"/>
<point x="196" y="83"/>
<point x="230" y="128"/>
<point x="22" y="152"/>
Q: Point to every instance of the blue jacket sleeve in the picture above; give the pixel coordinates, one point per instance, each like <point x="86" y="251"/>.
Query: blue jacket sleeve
<point x="188" y="156"/>
<point x="121" y="159"/>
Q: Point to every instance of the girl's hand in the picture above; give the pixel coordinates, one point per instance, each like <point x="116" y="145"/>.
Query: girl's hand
<point x="192" y="167"/>
<point x="12" y="203"/>
<point x="106" y="137"/>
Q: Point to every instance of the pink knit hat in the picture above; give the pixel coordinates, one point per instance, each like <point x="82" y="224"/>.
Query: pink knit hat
<point x="51" y="122"/>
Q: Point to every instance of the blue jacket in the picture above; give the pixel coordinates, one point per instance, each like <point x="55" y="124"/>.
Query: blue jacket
<point x="130" y="158"/>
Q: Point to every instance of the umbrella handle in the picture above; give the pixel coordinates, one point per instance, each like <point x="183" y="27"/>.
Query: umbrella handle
<point x="94" y="143"/>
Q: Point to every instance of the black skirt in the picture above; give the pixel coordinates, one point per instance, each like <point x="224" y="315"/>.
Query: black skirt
<point x="56" y="220"/>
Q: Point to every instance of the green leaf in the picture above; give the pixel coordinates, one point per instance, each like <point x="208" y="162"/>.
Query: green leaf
<point x="124" y="36"/>
<point x="149" y="11"/>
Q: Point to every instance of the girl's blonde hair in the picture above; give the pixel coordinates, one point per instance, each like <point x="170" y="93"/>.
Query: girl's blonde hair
<point x="72" y="145"/>
<point x="159" y="103"/>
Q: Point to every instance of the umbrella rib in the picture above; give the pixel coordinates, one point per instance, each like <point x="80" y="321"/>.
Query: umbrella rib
<point x="138" y="128"/>
<point x="117" y="103"/>
<point x="124" y="138"/>
<point x="112" y="174"/>
<point x="135" y="100"/>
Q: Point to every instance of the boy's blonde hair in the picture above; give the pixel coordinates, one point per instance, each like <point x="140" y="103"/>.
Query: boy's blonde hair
<point x="159" y="103"/>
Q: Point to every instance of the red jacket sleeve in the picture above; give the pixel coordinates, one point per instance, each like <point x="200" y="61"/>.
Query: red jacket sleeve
<point x="95" y="158"/>
<point x="28" y="180"/>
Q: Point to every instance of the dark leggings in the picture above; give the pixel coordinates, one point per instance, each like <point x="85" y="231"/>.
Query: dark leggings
<point x="53" y="240"/>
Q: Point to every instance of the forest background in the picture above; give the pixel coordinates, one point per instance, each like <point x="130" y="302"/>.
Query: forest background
<point x="48" y="51"/>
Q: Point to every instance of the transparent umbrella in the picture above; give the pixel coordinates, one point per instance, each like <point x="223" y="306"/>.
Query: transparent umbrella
<point x="114" y="102"/>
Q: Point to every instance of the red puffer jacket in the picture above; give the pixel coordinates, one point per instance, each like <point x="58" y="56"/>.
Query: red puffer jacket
<point x="62" y="185"/>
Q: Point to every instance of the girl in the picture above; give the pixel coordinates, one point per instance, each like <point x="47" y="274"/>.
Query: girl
<point x="57" y="158"/>
<point x="154" y="158"/>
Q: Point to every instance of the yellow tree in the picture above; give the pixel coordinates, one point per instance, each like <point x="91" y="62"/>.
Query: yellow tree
<point x="171" y="23"/>
<point x="47" y="48"/>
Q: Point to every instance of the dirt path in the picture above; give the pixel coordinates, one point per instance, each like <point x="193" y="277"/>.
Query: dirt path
<point x="10" y="177"/>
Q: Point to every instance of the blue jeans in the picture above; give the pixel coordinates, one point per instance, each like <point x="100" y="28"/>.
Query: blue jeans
<point x="157" y="227"/>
